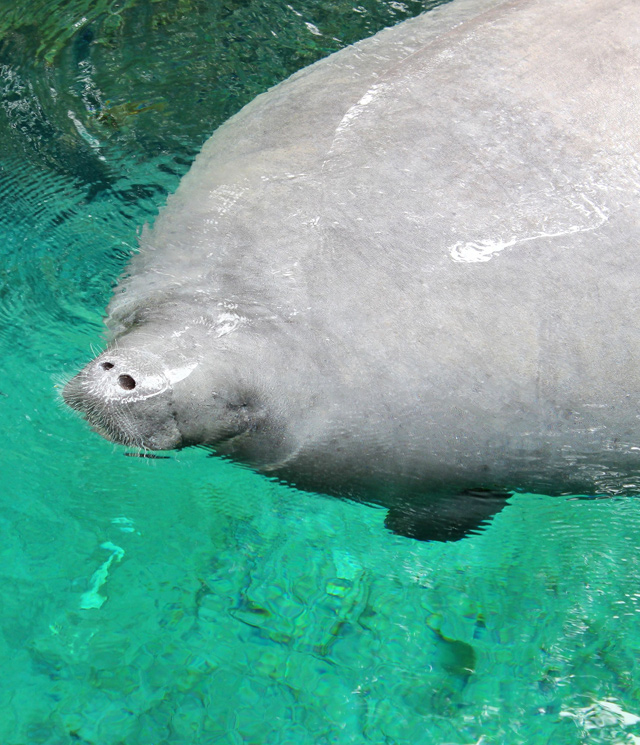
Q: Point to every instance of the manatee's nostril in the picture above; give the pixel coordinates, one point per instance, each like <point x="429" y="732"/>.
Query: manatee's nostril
<point x="126" y="382"/>
<point x="106" y="365"/>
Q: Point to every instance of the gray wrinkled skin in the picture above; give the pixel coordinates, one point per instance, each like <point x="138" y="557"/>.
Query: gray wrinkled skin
<point x="409" y="270"/>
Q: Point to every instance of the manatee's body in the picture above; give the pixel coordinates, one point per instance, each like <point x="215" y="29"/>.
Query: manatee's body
<point x="410" y="270"/>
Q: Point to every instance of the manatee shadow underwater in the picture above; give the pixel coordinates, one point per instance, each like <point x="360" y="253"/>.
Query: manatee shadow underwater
<point x="406" y="275"/>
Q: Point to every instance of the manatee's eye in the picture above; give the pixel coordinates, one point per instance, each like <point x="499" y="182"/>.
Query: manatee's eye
<point x="127" y="382"/>
<point x="106" y="365"/>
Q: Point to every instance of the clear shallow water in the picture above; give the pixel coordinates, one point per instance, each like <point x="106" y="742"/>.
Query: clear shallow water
<point x="189" y="600"/>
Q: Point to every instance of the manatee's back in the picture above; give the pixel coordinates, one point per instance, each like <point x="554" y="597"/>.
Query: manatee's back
<point x="448" y="211"/>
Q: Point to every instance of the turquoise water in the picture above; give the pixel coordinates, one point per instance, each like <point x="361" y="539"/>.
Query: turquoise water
<point x="189" y="600"/>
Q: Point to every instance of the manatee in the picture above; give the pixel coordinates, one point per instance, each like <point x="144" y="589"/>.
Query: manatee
<point x="408" y="275"/>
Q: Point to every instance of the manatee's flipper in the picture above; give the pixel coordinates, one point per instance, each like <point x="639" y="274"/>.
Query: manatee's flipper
<point x="448" y="518"/>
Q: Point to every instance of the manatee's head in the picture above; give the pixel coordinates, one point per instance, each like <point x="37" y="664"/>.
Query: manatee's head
<point x="156" y="400"/>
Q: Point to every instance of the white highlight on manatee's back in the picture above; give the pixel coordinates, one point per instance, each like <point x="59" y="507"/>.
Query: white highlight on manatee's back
<point x="175" y="375"/>
<point x="484" y="249"/>
<point x="223" y="198"/>
<point x="357" y="109"/>
<point x="225" y="321"/>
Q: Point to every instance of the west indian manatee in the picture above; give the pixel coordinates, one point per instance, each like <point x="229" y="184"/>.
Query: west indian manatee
<point x="407" y="275"/>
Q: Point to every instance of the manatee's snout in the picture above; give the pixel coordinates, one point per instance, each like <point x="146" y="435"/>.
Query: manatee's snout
<point x="116" y="377"/>
<point x="125" y="395"/>
<point x="122" y="380"/>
